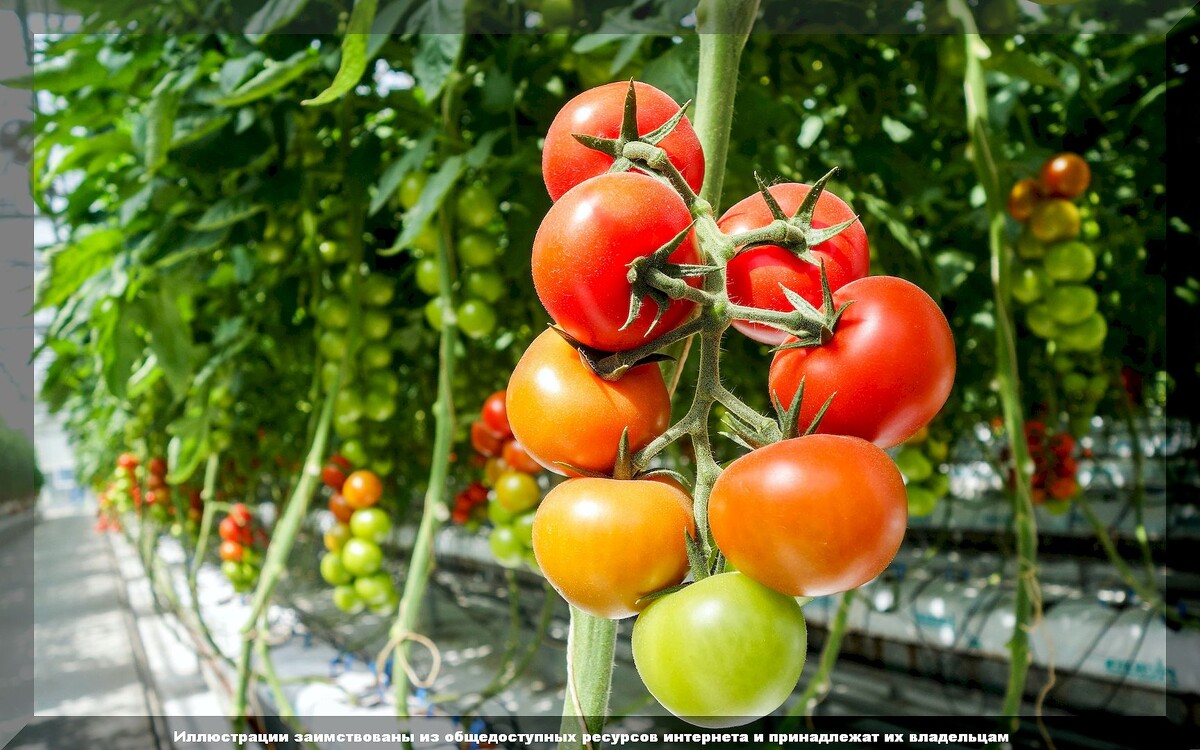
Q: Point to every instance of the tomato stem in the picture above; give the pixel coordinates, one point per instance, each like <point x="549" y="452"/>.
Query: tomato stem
<point x="818" y="686"/>
<point x="591" y="644"/>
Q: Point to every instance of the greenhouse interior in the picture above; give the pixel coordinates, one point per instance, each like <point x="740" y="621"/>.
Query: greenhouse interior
<point x="357" y="390"/>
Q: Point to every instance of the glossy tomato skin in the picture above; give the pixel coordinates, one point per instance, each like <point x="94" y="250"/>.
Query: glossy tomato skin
<point x="362" y="489"/>
<point x="605" y="543"/>
<point x="1023" y="198"/>
<point x="891" y="363"/>
<point x="583" y="248"/>
<point x="560" y="410"/>
<point x="516" y="457"/>
<point x="722" y="652"/>
<point x="566" y="162"/>
<point x="1066" y="176"/>
<point x="754" y="276"/>
<point x="340" y="508"/>
<point x="495" y="416"/>
<point x="230" y="531"/>
<point x="810" y="516"/>
<point x="486" y="441"/>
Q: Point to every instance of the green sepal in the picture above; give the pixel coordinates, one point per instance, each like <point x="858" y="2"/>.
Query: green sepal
<point x="607" y="365"/>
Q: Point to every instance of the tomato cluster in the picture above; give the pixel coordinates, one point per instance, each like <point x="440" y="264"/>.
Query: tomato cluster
<point x="122" y="494"/>
<point x="353" y="562"/>
<point x="242" y="546"/>
<point x="478" y="249"/>
<point x="619" y="264"/>
<point x="512" y="474"/>
<point x="920" y="461"/>
<point x="1055" y="465"/>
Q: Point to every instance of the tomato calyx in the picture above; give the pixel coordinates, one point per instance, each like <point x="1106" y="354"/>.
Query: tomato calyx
<point x="649" y="155"/>
<point x="796" y="232"/>
<point x="653" y="276"/>
<point x="789" y="418"/>
<point x="611" y="366"/>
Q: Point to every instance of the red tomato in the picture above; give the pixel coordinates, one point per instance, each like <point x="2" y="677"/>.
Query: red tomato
<point x="1023" y="198"/>
<point x="754" y="277"/>
<point x="598" y="112"/>
<point x="157" y="466"/>
<point x="231" y="551"/>
<point x="230" y="531"/>
<point x="127" y="461"/>
<point x="340" y="509"/>
<point x="240" y="514"/>
<point x="1066" y="176"/>
<point x="485" y="440"/>
<point x="517" y="457"/>
<point x="362" y="489"/>
<point x="562" y="411"/>
<point x="631" y="534"/>
<point x="333" y="477"/>
<point x="583" y="248"/>
<point x="339" y="460"/>
<point x="495" y="416"/>
<point x="810" y="516"/>
<point x="891" y="364"/>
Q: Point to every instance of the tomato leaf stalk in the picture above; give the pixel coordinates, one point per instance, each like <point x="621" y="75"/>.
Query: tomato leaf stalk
<point x="591" y="645"/>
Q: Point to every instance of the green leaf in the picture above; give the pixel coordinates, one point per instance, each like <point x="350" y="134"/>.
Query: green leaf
<point x="431" y="199"/>
<point x="191" y="128"/>
<point x="186" y="449"/>
<point x="120" y="348"/>
<point x="274" y="14"/>
<point x="272" y="78"/>
<point x="1017" y="64"/>
<point x="414" y="158"/>
<point x="440" y="24"/>
<point x="482" y="150"/>
<point x="160" y="129"/>
<point x="72" y="265"/>
<point x="61" y="75"/>
<point x="675" y="70"/>
<point x="354" y="54"/>
<point x="226" y="212"/>
<point x="235" y="70"/>
<point x="170" y="336"/>
<point x="385" y="23"/>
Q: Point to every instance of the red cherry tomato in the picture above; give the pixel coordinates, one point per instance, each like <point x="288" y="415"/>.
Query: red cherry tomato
<point x="562" y="411"/>
<point x="890" y="363"/>
<point x="484" y="440"/>
<point x="810" y="516"/>
<point x="598" y="112"/>
<point x="495" y="414"/>
<point x="230" y="531"/>
<point x="157" y="466"/>
<point x="241" y="514"/>
<point x="584" y="246"/>
<point x="339" y="460"/>
<point x="755" y="277"/>
<point x="1066" y="176"/>
<point x="517" y="457"/>
<point x="333" y="477"/>
<point x="362" y="489"/>
<point x="127" y="461"/>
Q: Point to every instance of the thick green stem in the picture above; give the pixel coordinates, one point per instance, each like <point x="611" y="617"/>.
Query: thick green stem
<point x="208" y="495"/>
<point x="421" y="563"/>
<point x="262" y="652"/>
<point x="1007" y="372"/>
<point x="818" y="687"/>
<point x="591" y="643"/>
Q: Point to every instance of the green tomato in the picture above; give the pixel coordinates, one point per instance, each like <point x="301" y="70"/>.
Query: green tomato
<point x="348" y="405"/>
<point x="347" y="600"/>
<point x="1056" y="507"/>
<point x="507" y="550"/>
<point x="498" y="514"/>
<point x="913" y="464"/>
<point x="1030" y="247"/>
<point x="331" y="252"/>
<point x="346" y="428"/>
<point x="1039" y="320"/>
<point x="1075" y="384"/>
<point x="522" y="527"/>
<point x="375" y="355"/>
<point x="486" y="285"/>
<point x="476" y="318"/>
<point x="376" y="324"/>
<point x="332" y="345"/>
<point x="371" y="524"/>
<point x="517" y="491"/>
<point x="1085" y="336"/>
<point x="475" y="206"/>
<point x="721" y="652"/>
<point x="387" y="606"/>
<point x="1071" y="304"/>
<point x="428" y="276"/>
<point x="410" y="188"/>
<point x="939" y="485"/>
<point x="334" y="312"/>
<point x="1070" y="261"/>
<point x="232" y="570"/>
<point x="272" y="252"/>
<point x="434" y="310"/>
<point x="921" y="501"/>
<point x="383" y="466"/>
<point x="333" y="571"/>
<point x="1029" y="284"/>
<point x="378" y="290"/>
<point x="354" y="452"/>
<point x="426" y="241"/>
<point x="375" y="589"/>
<point x="478" y="249"/>
<point x="383" y="381"/>
<point x="361" y="557"/>
<point x="379" y="406"/>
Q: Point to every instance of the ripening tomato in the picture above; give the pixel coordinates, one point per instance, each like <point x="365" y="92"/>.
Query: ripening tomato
<point x="157" y="466"/>
<point x="723" y="651"/>
<point x="517" y="491"/>
<point x="362" y="489"/>
<point x="231" y="551"/>
<point x="337" y="537"/>
<point x="516" y="457"/>
<point x="495" y="416"/>
<point x="1023" y="198"/>
<point x="631" y="534"/>
<point x="241" y="514"/>
<point x="891" y="364"/>
<point x="810" y="516"/>
<point x="230" y="531"/>
<point x="340" y="509"/>
<point x="584" y="246"/>
<point x="127" y="461"/>
<point x="1066" y="176"/>
<point x="598" y="112"/>
<point x="1054" y="220"/>
<point x="756" y="277"/>
<point x="560" y="410"/>
<point x="333" y="477"/>
<point x="485" y="440"/>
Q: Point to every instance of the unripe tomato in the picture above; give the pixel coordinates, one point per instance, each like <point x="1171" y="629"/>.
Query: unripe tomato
<point x="1029" y="284"/>
<point x="810" y="516"/>
<point x="522" y="527"/>
<point x="1040" y="322"/>
<point x="517" y="491"/>
<point x="475" y="206"/>
<point x="362" y="489"/>
<point x="376" y="324"/>
<point x="598" y="112"/>
<point x="332" y="344"/>
<point x="476" y="318"/>
<point x="376" y="588"/>
<point x="505" y="548"/>
<point x="499" y="515"/>
<point x="756" y="277"/>
<point x="1023" y="198"/>
<point x="410" y="189"/>
<point x="721" y="652"/>
<point x="516" y="457"/>
<point x="375" y="355"/>
<point x="379" y="406"/>
<point x="1054" y="220"/>
<point x="631" y="534"/>
<point x="333" y="312"/>
<point x="921" y="501"/>
<point x="913" y="464"/>
<point x="584" y="246"/>
<point x="435" y="311"/>
<point x="1066" y="176"/>
<point x="348" y="404"/>
<point x="494" y="413"/>
<point x="337" y="537"/>
<point x="1071" y="304"/>
<point x="378" y="290"/>
<point x="347" y="600"/>
<point x="478" y="249"/>
<point x="361" y="557"/>
<point x="428" y="276"/>
<point x="1028" y="246"/>
<point x="232" y="570"/>
<point x="484" y="284"/>
<point x="1086" y="336"/>
<point x="333" y="571"/>
<point x="559" y="410"/>
<point x="1070" y="261"/>
<point x="371" y="524"/>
